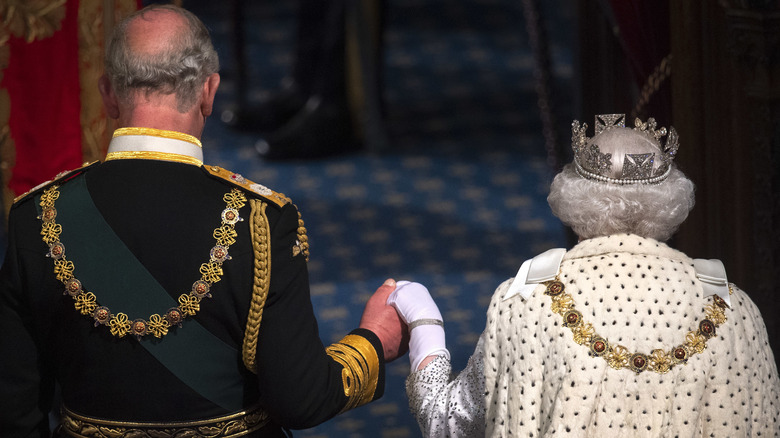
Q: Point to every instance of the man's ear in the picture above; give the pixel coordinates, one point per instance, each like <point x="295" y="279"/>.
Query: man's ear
<point x="110" y="101"/>
<point x="208" y="93"/>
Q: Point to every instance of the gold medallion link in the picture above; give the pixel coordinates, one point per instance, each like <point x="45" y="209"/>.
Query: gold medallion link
<point x="225" y="235"/>
<point x="119" y="325"/>
<point x="51" y="232"/>
<point x="189" y="304"/>
<point x="86" y="303"/>
<point x="63" y="269"/>
<point x="158" y="326"/>
<point x="211" y="272"/>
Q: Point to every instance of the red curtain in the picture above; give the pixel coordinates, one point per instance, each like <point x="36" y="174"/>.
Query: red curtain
<point x="42" y="80"/>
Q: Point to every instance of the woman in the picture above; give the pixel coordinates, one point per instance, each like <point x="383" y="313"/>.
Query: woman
<point x="619" y="336"/>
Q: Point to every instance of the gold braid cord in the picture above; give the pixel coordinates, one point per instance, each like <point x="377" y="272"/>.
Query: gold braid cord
<point x="618" y="356"/>
<point x="261" y="244"/>
<point x="360" y="374"/>
<point x="662" y="72"/>
<point x="119" y="324"/>
<point x="303" y="239"/>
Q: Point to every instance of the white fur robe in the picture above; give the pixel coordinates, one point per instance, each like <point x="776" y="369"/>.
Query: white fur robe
<point x="528" y="378"/>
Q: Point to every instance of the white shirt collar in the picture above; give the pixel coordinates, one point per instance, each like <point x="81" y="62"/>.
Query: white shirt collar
<point x="155" y="144"/>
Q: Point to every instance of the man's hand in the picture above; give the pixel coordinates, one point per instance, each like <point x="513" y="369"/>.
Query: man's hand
<point x="384" y="322"/>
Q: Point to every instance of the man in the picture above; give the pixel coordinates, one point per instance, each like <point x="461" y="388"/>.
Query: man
<point x="165" y="296"/>
<point x="334" y="75"/>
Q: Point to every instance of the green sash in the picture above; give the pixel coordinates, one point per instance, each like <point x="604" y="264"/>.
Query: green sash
<point x="107" y="267"/>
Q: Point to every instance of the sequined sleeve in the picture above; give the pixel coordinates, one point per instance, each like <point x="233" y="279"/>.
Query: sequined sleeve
<point x="446" y="407"/>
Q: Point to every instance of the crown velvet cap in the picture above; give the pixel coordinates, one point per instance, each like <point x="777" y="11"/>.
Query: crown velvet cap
<point x="620" y="155"/>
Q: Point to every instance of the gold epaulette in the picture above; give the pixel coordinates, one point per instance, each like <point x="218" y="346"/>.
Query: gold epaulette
<point x="238" y="180"/>
<point x="62" y="176"/>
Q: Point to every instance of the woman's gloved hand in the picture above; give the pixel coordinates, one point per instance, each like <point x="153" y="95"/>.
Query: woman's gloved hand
<point x="417" y="309"/>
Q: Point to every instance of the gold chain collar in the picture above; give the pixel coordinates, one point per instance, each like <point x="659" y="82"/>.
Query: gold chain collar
<point x="618" y="356"/>
<point x="156" y="325"/>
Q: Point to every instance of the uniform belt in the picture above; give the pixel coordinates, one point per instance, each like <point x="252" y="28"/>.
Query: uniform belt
<point x="228" y="426"/>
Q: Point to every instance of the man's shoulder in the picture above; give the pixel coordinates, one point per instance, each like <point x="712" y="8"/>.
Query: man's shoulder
<point x="252" y="188"/>
<point x="61" y="178"/>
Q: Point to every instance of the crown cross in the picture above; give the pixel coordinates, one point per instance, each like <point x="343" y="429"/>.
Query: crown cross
<point x="638" y="166"/>
<point x="609" y="121"/>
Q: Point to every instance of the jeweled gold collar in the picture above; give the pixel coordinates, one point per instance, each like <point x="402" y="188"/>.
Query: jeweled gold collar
<point x="155" y="144"/>
<point x="660" y="360"/>
<point x="158" y="324"/>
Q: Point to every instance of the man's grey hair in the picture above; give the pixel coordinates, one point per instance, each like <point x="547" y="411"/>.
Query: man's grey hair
<point x="594" y="208"/>
<point x="181" y="69"/>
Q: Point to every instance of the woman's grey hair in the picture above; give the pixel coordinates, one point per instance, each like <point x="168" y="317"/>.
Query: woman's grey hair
<point x="181" y="69"/>
<point x="594" y="208"/>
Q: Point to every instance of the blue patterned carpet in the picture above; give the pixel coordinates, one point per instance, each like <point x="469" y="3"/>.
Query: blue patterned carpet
<point x="456" y="204"/>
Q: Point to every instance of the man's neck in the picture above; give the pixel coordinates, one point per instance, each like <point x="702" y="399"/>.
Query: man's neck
<point x="165" y="118"/>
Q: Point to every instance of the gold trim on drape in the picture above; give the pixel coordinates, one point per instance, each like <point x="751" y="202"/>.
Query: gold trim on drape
<point x="93" y="33"/>
<point x="39" y="19"/>
<point x="30" y="19"/>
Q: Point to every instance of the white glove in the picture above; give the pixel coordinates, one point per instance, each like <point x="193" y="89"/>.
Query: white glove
<point x="417" y="309"/>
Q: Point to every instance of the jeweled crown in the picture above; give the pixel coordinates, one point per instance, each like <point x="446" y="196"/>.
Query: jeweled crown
<point x="638" y="167"/>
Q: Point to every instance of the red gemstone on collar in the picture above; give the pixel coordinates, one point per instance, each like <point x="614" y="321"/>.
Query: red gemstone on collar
<point x="57" y="251"/>
<point x="638" y="362"/>
<point x="173" y="316"/>
<point x="102" y="314"/>
<point x="219" y="253"/>
<point x="139" y="327"/>
<point x="49" y="214"/>
<point x="598" y="346"/>
<point x="73" y="287"/>
<point x="572" y="317"/>
<point x="230" y="216"/>
<point x="707" y="328"/>
<point x="554" y="288"/>
<point x="200" y="288"/>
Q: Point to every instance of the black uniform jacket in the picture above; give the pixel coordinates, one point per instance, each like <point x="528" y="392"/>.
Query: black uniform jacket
<point x="165" y="214"/>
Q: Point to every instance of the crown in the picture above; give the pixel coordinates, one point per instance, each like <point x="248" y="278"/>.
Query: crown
<point x="638" y="168"/>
